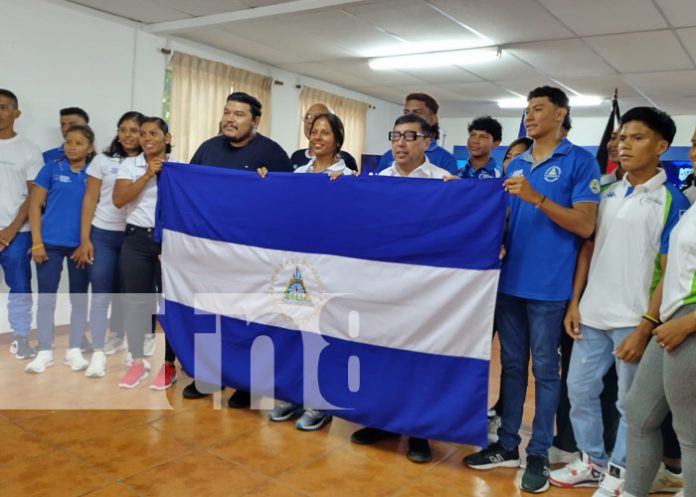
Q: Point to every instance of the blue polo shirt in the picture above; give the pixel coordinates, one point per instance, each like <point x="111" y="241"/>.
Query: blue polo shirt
<point x="54" y="154"/>
<point x="437" y="156"/>
<point x="490" y="170"/>
<point x="540" y="259"/>
<point x="60" y="224"/>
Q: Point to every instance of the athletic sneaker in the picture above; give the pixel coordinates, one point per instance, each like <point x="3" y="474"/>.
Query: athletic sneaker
<point x="419" y="450"/>
<point x="666" y="482"/>
<point x="679" y="494"/>
<point x="579" y="473"/>
<point x="493" y="456"/>
<point x="165" y="378"/>
<point x="21" y="349"/>
<point x="74" y="359"/>
<point x="135" y="374"/>
<point x="369" y="436"/>
<point x="43" y="360"/>
<point x="312" y="420"/>
<point x="536" y="477"/>
<point x="284" y="410"/>
<point x="149" y="345"/>
<point x="114" y="344"/>
<point x="612" y="482"/>
<point x="97" y="365"/>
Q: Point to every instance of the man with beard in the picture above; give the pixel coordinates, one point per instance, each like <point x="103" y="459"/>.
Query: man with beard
<point x="239" y="146"/>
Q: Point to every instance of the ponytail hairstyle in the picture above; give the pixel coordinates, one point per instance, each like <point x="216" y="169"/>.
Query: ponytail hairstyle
<point x="116" y="149"/>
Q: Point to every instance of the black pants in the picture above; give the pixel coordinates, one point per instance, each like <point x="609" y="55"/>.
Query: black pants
<point x="142" y="280"/>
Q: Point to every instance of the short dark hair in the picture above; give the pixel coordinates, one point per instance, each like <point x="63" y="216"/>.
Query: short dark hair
<point x="489" y="125"/>
<point x="336" y="128"/>
<point x="116" y="149"/>
<point x="567" y="123"/>
<point x="522" y="140"/>
<point x="85" y="131"/>
<point x="555" y="95"/>
<point x="245" y="98"/>
<point x="161" y="124"/>
<point x="429" y="101"/>
<point x="413" y="118"/>
<point x="76" y="111"/>
<point x="655" y="119"/>
<point x="11" y="96"/>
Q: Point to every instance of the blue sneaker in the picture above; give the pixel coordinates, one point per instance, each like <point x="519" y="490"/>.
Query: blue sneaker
<point x="312" y="420"/>
<point x="284" y="411"/>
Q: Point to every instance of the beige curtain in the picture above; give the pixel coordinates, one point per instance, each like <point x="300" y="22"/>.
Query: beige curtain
<point x="352" y="112"/>
<point x="199" y="90"/>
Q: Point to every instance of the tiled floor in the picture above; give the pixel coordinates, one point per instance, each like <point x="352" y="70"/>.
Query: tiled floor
<point x="85" y="446"/>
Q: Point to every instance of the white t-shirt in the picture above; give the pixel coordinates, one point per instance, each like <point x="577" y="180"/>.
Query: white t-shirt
<point x="425" y="170"/>
<point x="336" y="167"/>
<point x="107" y="216"/>
<point x="141" y="210"/>
<point x="20" y="161"/>
<point x="633" y="225"/>
<point x="679" y="284"/>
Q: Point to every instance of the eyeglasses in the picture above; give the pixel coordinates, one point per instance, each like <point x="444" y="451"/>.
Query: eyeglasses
<point x="409" y="136"/>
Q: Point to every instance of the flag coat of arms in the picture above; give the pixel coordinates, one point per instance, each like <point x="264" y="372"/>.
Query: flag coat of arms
<point x="370" y="298"/>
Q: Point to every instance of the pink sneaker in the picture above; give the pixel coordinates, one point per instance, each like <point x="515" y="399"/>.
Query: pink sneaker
<point x="165" y="378"/>
<point x="135" y="374"/>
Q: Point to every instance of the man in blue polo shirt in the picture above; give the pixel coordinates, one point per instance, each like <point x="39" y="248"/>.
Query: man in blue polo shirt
<point x="485" y="133"/>
<point x="425" y="106"/>
<point x="554" y="192"/>
<point x="68" y="117"/>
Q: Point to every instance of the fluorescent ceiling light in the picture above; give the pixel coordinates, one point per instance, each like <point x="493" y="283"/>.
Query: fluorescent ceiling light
<point x="575" y="101"/>
<point x="435" y="59"/>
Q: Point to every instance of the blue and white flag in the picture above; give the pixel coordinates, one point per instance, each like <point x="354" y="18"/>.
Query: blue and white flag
<point x="369" y="298"/>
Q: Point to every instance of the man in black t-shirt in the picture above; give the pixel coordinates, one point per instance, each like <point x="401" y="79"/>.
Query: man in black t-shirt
<point x="240" y="146"/>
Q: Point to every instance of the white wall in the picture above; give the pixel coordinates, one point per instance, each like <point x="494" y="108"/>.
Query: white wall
<point x="57" y="55"/>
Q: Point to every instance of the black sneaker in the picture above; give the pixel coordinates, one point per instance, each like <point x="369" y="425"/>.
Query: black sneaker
<point x="419" y="450"/>
<point x="239" y="400"/>
<point x="493" y="456"/>
<point x="369" y="436"/>
<point x="21" y="349"/>
<point x="536" y="477"/>
<point x="191" y="391"/>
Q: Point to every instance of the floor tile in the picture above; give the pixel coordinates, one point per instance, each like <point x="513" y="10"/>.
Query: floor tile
<point x="19" y="444"/>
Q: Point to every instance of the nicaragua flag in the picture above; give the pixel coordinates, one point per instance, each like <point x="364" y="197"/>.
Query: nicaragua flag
<point x="369" y="298"/>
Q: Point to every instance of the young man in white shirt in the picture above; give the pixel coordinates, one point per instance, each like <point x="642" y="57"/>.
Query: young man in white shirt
<point x="20" y="161"/>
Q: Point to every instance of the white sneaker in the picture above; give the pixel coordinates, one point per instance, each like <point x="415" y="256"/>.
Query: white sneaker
<point x="149" y="345"/>
<point x="666" y="482"/>
<point x="679" y="494"/>
<point x="114" y="344"/>
<point x="97" y="366"/>
<point x="559" y="456"/>
<point x="579" y="473"/>
<point x="128" y="359"/>
<point x="74" y="359"/>
<point x="43" y="360"/>
<point x="493" y="425"/>
<point x="612" y="482"/>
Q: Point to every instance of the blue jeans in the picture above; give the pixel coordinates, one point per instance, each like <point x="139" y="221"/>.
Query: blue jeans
<point x="591" y="359"/>
<point x="48" y="275"/>
<point x="105" y="279"/>
<point x="14" y="260"/>
<point x="525" y="326"/>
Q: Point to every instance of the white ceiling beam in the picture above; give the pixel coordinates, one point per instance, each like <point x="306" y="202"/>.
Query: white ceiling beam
<point x="292" y="7"/>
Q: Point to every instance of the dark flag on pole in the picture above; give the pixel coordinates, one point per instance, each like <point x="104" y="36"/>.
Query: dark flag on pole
<point x="612" y="123"/>
<point x="523" y="130"/>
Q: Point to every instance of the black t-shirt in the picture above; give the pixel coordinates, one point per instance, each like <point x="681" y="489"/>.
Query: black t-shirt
<point x="299" y="158"/>
<point x="260" y="151"/>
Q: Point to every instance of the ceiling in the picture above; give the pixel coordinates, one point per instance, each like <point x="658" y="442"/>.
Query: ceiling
<point x="644" y="48"/>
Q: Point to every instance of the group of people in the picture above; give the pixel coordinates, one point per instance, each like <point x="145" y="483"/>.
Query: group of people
<point x="608" y="261"/>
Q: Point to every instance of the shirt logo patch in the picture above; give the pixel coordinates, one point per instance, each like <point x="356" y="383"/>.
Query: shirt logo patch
<point x="114" y="170"/>
<point x="595" y="187"/>
<point x="63" y="179"/>
<point x="552" y="174"/>
<point x="519" y="172"/>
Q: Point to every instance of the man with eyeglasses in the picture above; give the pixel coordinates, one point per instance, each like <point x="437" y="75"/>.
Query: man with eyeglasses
<point x="409" y="139"/>
<point x="426" y="107"/>
<point x="302" y="156"/>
